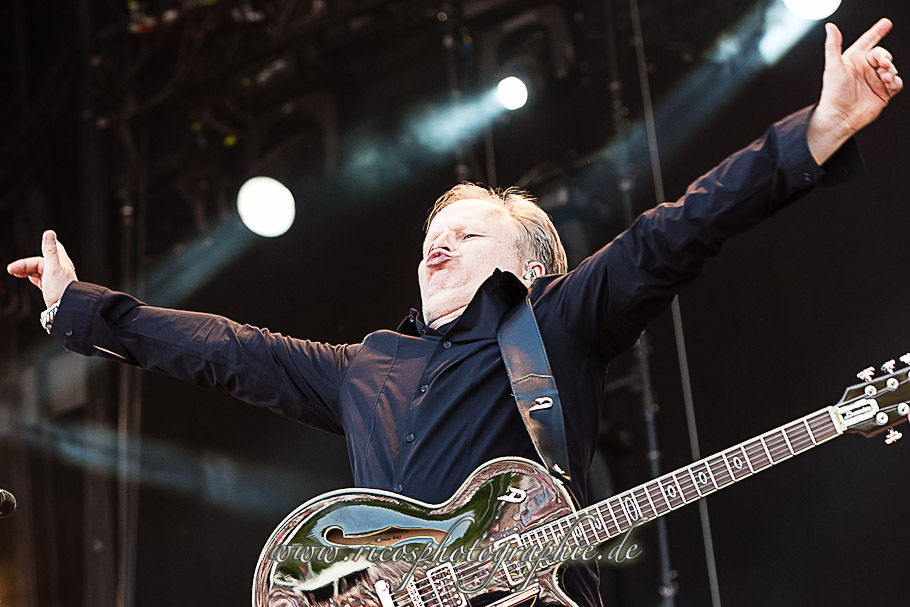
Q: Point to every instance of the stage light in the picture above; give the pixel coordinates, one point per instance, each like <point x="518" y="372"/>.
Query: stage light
<point x="266" y="206"/>
<point x="812" y="9"/>
<point x="512" y="93"/>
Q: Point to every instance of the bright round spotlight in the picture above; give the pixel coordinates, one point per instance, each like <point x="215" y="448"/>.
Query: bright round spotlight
<point x="812" y="9"/>
<point x="266" y="207"/>
<point x="512" y="93"/>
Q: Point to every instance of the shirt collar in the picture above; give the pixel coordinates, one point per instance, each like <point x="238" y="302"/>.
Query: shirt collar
<point x="497" y="295"/>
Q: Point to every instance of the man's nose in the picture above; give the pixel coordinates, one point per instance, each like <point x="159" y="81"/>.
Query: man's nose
<point x="442" y="241"/>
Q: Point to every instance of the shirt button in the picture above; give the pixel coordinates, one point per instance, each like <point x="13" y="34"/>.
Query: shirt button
<point x="423" y="331"/>
<point x="68" y="332"/>
<point x="399" y="488"/>
<point x="424" y="388"/>
<point x="409" y="438"/>
<point x="446" y="344"/>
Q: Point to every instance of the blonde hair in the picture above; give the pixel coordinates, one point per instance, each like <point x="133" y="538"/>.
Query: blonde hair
<point x="536" y="236"/>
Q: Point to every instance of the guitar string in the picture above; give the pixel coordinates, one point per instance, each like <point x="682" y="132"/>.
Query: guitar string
<point x="779" y="452"/>
<point x="783" y="447"/>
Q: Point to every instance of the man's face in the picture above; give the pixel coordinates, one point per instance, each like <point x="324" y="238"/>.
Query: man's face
<point x="466" y="241"/>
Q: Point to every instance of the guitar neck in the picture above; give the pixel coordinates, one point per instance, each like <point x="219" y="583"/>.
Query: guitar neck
<point x="616" y="515"/>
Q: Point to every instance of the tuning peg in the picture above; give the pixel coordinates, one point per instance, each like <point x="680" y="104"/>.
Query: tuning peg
<point x="892" y="437"/>
<point x="888" y="367"/>
<point x="905" y="359"/>
<point x="866" y="374"/>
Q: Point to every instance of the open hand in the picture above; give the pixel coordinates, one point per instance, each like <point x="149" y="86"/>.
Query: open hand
<point x="52" y="272"/>
<point x="857" y="85"/>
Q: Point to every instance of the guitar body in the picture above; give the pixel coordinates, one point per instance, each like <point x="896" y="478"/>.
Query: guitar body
<point x="337" y="549"/>
<point x="484" y="547"/>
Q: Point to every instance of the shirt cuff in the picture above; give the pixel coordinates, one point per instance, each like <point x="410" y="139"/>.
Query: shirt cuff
<point x="800" y="168"/>
<point x="78" y="307"/>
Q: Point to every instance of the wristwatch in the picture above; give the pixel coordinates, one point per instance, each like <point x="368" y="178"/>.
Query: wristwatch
<point x="47" y="317"/>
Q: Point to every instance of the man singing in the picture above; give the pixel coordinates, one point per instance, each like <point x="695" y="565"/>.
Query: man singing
<point x="422" y="406"/>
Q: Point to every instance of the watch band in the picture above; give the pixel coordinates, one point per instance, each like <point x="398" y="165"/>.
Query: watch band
<point x="47" y="317"/>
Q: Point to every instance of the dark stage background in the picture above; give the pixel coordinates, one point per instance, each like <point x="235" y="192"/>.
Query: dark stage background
<point x="128" y="129"/>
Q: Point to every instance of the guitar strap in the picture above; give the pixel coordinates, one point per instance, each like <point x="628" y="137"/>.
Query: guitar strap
<point x="534" y="387"/>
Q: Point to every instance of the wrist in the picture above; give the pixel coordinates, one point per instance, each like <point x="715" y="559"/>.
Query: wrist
<point x="48" y="315"/>
<point x="827" y="131"/>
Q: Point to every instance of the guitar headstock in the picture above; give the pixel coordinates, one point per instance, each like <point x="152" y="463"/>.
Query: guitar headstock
<point x="878" y="403"/>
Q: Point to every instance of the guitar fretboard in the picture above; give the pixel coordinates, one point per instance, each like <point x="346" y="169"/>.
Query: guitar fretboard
<point x="616" y="515"/>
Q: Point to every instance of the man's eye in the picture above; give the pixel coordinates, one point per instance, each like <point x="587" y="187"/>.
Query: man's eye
<point x="470" y="236"/>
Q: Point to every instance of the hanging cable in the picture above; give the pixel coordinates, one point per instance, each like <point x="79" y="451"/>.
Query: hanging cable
<point x="626" y="177"/>
<point x="677" y="314"/>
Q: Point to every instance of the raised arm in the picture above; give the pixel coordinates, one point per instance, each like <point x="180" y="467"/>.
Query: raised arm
<point x="612" y="295"/>
<point x="857" y="85"/>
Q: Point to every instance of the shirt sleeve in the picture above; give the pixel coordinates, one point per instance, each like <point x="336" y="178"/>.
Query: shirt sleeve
<point x="296" y="378"/>
<point x="612" y="295"/>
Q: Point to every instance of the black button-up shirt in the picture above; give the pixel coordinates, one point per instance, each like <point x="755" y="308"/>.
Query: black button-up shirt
<point x="420" y="409"/>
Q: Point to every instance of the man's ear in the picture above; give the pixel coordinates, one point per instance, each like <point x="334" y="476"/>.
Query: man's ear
<point x="535" y="269"/>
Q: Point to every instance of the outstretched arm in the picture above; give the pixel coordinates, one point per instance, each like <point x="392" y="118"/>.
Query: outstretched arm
<point x="295" y="378"/>
<point x="856" y="86"/>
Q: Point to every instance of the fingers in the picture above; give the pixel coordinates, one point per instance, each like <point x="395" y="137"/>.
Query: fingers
<point x="872" y="36"/>
<point x="833" y="45"/>
<point x="49" y="249"/>
<point x="31" y="266"/>
<point x="880" y="59"/>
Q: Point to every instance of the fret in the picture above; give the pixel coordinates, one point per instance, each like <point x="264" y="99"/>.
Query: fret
<point x="758" y="455"/>
<point x="720" y="473"/>
<point x="682" y="495"/>
<point x="648" y="503"/>
<point x="733" y="478"/>
<point x="776" y="446"/>
<point x="764" y="445"/>
<point x="629" y="511"/>
<point x="663" y="494"/>
<point x="823" y="426"/>
<point x="737" y="461"/>
<point x="578" y="530"/>
<point x="615" y="522"/>
<point x="703" y="477"/>
<point x="687" y="488"/>
<point x="595" y="526"/>
<point x="618" y="514"/>
<point x="561" y="531"/>
<point x="654" y="509"/>
<point x="582" y="530"/>
<point x="610" y="532"/>
<point x="809" y="431"/>
<point x="787" y="440"/>
<point x="746" y="456"/>
<point x="798" y="437"/>
<point x="694" y="482"/>
<point x="603" y="524"/>
<point x="671" y="493"/>
<point x="548" y="533"/>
